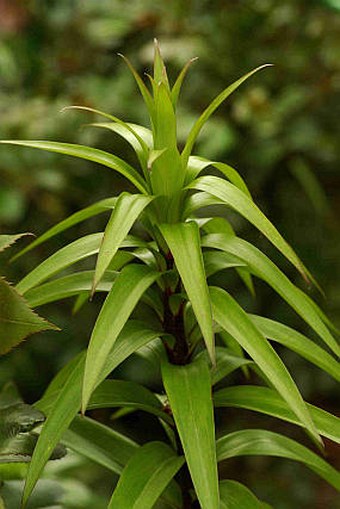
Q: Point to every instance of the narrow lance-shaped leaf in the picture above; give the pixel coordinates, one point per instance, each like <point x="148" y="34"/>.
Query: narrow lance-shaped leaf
<point x="68" y="286"/>
<point x="267" y="401"/>
<point x="128" y="209"/>
<point x="231" y="317"/>
<point x="197" y="164"/>
<point x="298" y="343"/>
<point x="17" y="320"/>
<point x="145" y="477"/>
<point x="261" y="266"/>
<point x="260" y="442"/>
<point x="123" y="393"/>
<point x="184" y="243"/>
<point x="62" y="399"/>
<point x="125" y="127"/>
<point x="88" y="153"/>
<point x="72" y="253"/>
<point x="126" y="291"/>
<point x="99" y="443"/>
<point x="195" y="424"/>
<point x="77" y="217"/>
<point x="239" y="201"/>
<point x="210" y="110"/>
<point x="134" y="336"/>
<point x="61" y="415"/>
<point x="142" y="87"/>
<point x="235" y="495"/>
<point x="179" y="81"/>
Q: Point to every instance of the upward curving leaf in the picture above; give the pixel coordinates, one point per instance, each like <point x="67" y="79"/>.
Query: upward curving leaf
<point x="126" y="291"/>
<point x="90" y="154"/>
<point x="128" y="209"/>
<point x="184" y="243"/>
<point x="72" y="253"/>
<point x="76" y="218"/>
<point x="128" y="131"/>
<point x="210" y="110"/>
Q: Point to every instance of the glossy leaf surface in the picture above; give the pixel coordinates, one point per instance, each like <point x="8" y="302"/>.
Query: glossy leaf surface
<point x="195" y="424"/>
<point x="145" y="477"/>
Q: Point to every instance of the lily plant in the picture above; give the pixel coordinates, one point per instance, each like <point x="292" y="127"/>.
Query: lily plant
<point x="160" y="303"/>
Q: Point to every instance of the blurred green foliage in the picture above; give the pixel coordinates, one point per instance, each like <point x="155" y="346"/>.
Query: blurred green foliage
<point x="281" y="130"/>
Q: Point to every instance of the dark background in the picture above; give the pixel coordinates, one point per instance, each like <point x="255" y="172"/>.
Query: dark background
<point x="281" y="130"/>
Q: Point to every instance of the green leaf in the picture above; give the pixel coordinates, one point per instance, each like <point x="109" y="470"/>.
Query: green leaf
<point x="128" y="209"/>
<point x="261" y="266"/>
<point x="125" y="293"/>
<point x="130" y="132"/>
<point x="68" y="286"/>
<point x="62" y="399"/>
<point x="8" y="240"/>
<point x="210" y="110"/>
<point x="88" y="153"/>
<point x="184" y="243"/>
<point x="266" y="443"/>
<point x="122" y="393"/>
<point x="267" y="401"/>
<point x="145" y="477"/>
<point x="215" y="261"/>
<point x="72" y="253"/>
<point x="142" y="87"/>
<point x="99" y="443"/>
<point x="195" y="424"/>
<point x="179" y="80"/>
<point x="298" y="343"/>
<point x="235" y="495"/>
<point x="198" y="201"/>
<point x="231" y="317"/>
<point x="77" y="217"/>
<point x="226" y="364"/>
<point x="59" y="418"/>
<point x="17" y="320"/>
<point x="239" y="201"/>
<point x="197" y="164"/>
